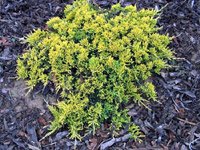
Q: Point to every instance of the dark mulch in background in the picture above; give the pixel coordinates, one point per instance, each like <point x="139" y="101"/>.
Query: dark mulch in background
<point x="171" y="124"/>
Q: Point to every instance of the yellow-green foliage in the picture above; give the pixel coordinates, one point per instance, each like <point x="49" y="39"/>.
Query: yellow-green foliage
<point x="100" y="60"/>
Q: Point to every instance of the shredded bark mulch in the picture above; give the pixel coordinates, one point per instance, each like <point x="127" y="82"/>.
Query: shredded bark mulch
<point x="172" y="123"/>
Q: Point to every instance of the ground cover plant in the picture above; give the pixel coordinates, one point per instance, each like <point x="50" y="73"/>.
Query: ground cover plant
<point x="100" y="61"/>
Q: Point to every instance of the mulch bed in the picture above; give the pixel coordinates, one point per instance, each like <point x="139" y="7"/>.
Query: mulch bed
<point x="171" y="124"/>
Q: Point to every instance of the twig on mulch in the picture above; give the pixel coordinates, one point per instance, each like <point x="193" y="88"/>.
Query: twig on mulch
<point x="114" y="140"/>
<point x="186" y="121"/>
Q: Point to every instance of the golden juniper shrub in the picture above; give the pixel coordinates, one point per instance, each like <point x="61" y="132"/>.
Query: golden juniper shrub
<point x="100" y="60"/>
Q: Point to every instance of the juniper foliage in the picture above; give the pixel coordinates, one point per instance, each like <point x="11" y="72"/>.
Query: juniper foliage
<point x="100" y="60"/>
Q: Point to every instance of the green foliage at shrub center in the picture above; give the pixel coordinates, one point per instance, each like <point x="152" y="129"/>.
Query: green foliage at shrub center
<point x="99" y="60"/>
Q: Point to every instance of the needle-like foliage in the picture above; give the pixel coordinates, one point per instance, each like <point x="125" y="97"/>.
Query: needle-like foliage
<point x="100" y="60"/>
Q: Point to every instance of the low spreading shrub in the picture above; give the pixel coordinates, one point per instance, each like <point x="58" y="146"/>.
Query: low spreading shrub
<point x="100" y="60"/>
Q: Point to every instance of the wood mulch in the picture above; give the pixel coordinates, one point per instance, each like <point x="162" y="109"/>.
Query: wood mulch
<point x="173" y="124"/>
